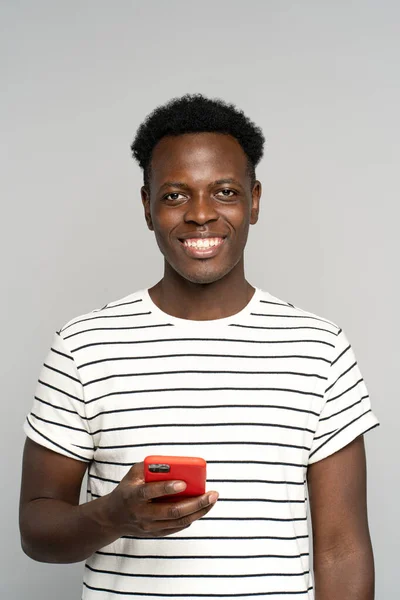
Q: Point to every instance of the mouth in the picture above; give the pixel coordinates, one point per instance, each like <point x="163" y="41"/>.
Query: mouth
<point x="202" y="247"/>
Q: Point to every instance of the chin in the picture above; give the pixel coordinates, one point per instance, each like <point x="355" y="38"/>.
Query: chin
<point x="203" y="272"/>
<point x="201" y="280"/>
<point x="203" y="276"/>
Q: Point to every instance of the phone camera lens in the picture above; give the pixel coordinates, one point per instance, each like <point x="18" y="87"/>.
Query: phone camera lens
<point x="159" y="468"/>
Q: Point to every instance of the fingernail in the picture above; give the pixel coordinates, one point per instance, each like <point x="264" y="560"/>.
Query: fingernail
<point x="179" y="486"/>
<point x="213" y="497"/>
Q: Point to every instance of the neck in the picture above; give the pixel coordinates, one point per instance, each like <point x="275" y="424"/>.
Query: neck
<point x="183" y="299"/>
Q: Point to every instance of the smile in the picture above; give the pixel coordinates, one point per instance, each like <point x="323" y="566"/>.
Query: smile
<point x="203" y="242"/>
<point x="202" y="247"/>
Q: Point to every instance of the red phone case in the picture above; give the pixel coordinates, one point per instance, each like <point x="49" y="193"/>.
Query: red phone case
<point x="190" y="469"/>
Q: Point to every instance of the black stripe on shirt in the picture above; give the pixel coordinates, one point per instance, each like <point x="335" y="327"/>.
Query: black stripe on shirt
<point x="62" y="353"/>
<point x="74" y="412"/>
<point x="180" y="355"/>
<point x="339" y="412"/>
<point x="190" y="576"/>
<point x="175" y="340"/>
<point x="255" y="462"/>
<point x="67" y="337"/>
<point x="53" y="387"/>
<point x="340" y="355"/>
<point x="270" y="500"/>
<point x="282" y="328"/>
<point x="273" y="519"/>
<point x="319" y="437"/>
<point x="340" y="376"/>
<point x="200" y="371"/>
<point x="191" y="595"/>
<point x="345" y="391"/>
<point x="58" y="445"/>
<point x="219" y="462"/>
<point x="191" y="443"/>
<point x="188" y="425"/>
<point x="290" y="317"/>
<point x="201" y="407"/>
<point x="206" y="389"/>
<point x="111" y="305"/>
<point x="61" y="373"/>
<point x="214" y="537"/>
<point x="265" y="500"/>
<point x="81" y="429"/>
<point x="285" y="304"/>
<point x="342" y="429"/>
<point x="195" y="556"/>
<point x="141" y="314"/>
<point x="268" y="481"/>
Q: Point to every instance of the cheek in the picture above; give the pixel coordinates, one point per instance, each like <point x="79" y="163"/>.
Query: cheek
<point x="161" y="220"/>
<point x="164" y="225"/>
<point x="239" y="220"/>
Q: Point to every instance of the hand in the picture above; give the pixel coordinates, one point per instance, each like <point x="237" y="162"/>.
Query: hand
<point x="132" y="512"/>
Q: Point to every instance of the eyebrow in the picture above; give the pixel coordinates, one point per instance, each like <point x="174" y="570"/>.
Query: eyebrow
<point x="185" y="186"/>
<point x="175" y="184"/>
<point x="226" y="180"/>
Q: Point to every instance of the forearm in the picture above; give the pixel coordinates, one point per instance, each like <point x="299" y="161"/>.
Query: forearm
<point x="57" y="532"/>
<point x="348" y="576"/>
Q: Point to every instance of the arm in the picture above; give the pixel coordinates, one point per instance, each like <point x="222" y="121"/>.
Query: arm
<point x="343" y="559"/>
<point x="55" y="528"/>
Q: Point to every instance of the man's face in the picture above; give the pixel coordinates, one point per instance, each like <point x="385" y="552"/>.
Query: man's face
<point x="200" y="204"/>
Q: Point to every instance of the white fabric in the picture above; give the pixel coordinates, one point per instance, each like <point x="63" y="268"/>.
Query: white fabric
<point x="259" y="395"/>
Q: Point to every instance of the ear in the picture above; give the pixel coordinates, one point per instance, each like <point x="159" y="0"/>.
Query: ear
<point x="145" y="194"/>
<point x="255" y="202"/>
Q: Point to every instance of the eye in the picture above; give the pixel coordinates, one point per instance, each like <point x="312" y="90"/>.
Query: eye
<point x="226" y="193"/>
<point x="173" y="197"/>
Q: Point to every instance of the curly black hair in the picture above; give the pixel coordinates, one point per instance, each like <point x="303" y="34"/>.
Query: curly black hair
<point x="194" y="113"/>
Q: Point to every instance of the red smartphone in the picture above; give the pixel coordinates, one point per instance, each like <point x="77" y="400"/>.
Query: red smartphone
<point x="190" y="469"/>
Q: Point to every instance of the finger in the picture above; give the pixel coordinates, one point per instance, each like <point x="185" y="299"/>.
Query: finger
<point x="173" y="511"/>
<point x="135" y="473"/>
<point x="181" y="523"/>
<point x="158" y="489"/>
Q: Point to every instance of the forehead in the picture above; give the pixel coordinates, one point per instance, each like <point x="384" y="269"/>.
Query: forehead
<point x="198" y="156"/>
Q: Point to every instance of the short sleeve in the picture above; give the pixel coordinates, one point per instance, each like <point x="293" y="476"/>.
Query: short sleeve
<point x="57" y="419"/>
<point x="346" y="411"/>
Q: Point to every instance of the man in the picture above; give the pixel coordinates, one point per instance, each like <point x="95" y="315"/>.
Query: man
<point x="201" y="364"/>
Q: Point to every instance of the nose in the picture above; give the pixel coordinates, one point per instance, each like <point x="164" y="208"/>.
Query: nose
<point x="200" y="210"/>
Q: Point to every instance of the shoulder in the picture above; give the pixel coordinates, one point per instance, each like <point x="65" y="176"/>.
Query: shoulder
<point x="117" y="308"/>
<point x="274" y="307"/>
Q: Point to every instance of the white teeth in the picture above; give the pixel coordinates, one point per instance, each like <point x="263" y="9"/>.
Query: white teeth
<point x="203" y="243"/>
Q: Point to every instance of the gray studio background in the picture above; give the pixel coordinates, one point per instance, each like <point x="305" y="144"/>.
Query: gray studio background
<point x="320" y="77"/>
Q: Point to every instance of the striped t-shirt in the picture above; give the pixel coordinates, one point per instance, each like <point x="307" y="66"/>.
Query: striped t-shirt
<point x="260" y="395"/>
